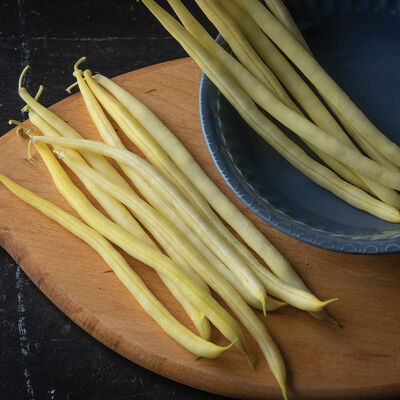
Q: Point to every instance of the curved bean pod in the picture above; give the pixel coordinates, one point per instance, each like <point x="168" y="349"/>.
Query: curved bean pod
<point x="200" y="217"/>
<point x="298" y="298"/>
<point x="123" y="271"/>
<point x="196" y="293"/>
<point x="326" y="86"/>
<point x="263" y="126"/>
<point x="124" y="218"/>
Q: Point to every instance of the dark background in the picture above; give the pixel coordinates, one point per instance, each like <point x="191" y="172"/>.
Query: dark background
<point x="44" y="355"/>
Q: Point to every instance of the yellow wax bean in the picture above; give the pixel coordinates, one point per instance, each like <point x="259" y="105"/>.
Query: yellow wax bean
<point x="195" y="292"/>
<point x="243" y="51"/>
<point x="109" y="135"/>
<point x="234" y="301"/>
<point x="270" y="132"/>
<point x="125" y="274"/>
<point x="329" y="144"/>
<point x="225" y="208"/>
<point x="123" y="217"/>
<point x="325" y="85"/>
<point x="277" y="287"/>
<point x="201" y="216"/>
<point x="302" y="93"/>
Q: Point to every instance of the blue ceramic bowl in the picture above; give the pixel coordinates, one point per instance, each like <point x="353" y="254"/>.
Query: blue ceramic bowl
<point x="357" y="42"/>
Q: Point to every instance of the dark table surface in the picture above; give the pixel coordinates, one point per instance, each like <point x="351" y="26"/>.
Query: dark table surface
<point x="44" y="355"/>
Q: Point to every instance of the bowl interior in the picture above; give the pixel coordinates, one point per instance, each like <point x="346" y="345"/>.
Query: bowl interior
<point x="358" y="46"/>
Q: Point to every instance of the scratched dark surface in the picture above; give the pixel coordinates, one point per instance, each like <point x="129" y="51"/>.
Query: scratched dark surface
<point x="43" y="355"/>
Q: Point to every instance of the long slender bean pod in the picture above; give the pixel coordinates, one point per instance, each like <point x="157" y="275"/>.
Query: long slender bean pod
<point x="282" y="14"/>
<point x="123" y="217"/>
<point x="196" y="294"/>
<point x="233" y="299"/>
<point x="278" y="264"/>
<point x="311" y="133"/>
<point x="284" y="70"/>
<point x="211" y="237"/>
<point x="225" y="208"/>
<point x="245" y="53"/>
<point x="113" y="88"/>
<point x="326" y="86"/>
<point x="241" y="101"/>
<point x="242" y="74"/>
<point x="123" y="271"/>
<point x="155" y="198"/>
<point x="274" y="285"/>
<point x="277" y="287"/>
<point x="109" y="135"/>
<point x="195" y="315"/>
<point x="113" y="207"/>
<point x="99" y="163"/>
<point x="238" y="305"/>
<point x="301" y="92"/>
<point x="198" y="200"/>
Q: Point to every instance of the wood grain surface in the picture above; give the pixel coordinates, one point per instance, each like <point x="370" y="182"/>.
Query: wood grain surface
<point x="361" y="360"/>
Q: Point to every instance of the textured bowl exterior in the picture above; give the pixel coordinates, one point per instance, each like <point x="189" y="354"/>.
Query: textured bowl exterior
<point x="344" y="36"/>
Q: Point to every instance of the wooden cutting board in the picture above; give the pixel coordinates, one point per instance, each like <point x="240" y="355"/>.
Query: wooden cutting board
<point x="361" y="360"/>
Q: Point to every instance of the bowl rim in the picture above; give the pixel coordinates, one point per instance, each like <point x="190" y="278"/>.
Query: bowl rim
<point x="298" y="230"/>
